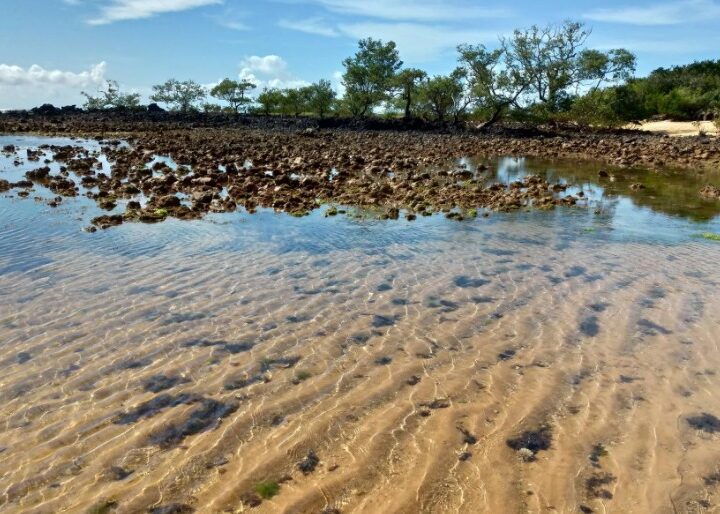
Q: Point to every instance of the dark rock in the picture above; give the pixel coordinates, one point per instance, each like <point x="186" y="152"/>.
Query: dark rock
<point x="309" y="463"/>
<point x="172" y="508"/>
<point x="107" y="221"/>
<point x="705" y="422"/>
<point x="533" y="440"/>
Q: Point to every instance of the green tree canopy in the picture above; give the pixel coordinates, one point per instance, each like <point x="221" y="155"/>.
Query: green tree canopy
<point x="495" y="83"/>
<point x="269" y="100"/>
<point x="408" y="82"/>
<point x="552" y="60"/>
<point x="445" y="96"/>
<point x="369" y="74"/>
<point x="294" y="101"/>
<point x="181" y="96"/>
<point x="234" y="93"/>
<point x="110" y="97"/>
<point x="320" y="97"/>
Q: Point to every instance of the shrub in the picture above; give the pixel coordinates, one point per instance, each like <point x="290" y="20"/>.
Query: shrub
<point x="597" y="108"/>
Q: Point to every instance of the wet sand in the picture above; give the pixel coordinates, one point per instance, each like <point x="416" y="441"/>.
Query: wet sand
<point x="559" y="361"/>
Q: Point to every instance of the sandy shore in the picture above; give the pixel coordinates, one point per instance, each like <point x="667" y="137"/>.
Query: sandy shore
<point x="677" y="128"/>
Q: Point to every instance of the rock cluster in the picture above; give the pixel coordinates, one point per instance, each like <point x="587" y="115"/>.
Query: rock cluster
<point x="296" y="171"/>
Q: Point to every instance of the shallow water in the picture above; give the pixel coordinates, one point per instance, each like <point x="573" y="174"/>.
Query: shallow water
<point x="186" y="362"/>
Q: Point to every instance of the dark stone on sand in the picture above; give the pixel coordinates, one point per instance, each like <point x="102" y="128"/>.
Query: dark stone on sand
<point x="157" y="383"/>
<point x="205" y="416"/>
<point x="382" y="321"/>
<point x="465" y="282"/>
<point x="117" y="473"/>
<point x="413" y="380"/>
<point x="705" y="422"/>
<point x="172" y="508"/>
<point x="575" y="271"/>
<point x="152" y="407"/>
<point x="506" y="354"/>
<point x="589" y="326"/>
<point x="534" y="440"/>
<point x="650" y="328"/>
<point x="595" y="485"/>
<point x="309" y="463"/>
<point x="437" y="403"/>
<point x="468" y="438"/>
<point x="251" y="499"/>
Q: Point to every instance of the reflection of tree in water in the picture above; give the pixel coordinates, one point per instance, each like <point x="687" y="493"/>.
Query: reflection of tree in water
<point x="675" y="196"/>
<point x="674" y="193"/>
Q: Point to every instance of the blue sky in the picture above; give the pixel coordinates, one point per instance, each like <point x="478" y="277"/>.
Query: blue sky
<point x="50" y="50"/>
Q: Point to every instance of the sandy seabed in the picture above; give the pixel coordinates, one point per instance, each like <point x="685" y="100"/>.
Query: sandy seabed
<point x="554" y="361"/>
<point x="414" y="370"/>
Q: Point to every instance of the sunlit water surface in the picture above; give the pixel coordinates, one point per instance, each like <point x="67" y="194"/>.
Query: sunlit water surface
<point x="291" y="334"/>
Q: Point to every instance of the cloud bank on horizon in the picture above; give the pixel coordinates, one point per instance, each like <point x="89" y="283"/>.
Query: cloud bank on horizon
<point x="142" y="42"/>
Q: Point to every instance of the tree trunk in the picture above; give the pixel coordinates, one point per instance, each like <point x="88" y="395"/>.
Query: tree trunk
<point x="493" y="119"/>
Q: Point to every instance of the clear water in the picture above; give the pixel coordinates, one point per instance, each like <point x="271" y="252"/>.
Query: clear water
<point x="620" y="286"/>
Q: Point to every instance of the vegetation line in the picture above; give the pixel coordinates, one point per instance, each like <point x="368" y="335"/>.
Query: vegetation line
<point x="539" y="74"/>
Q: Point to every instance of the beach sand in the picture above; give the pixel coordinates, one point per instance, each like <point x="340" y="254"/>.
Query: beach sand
<point x="677" y="128"/>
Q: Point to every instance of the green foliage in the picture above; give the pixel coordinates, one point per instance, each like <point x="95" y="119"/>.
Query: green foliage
<point x="234" y="93"/>
<point x="552" y="60"/>
<point x="269" y="101"/>
<point x="369" y="75"/>
<point x="110" y="97"/>
<point x="181" y="96"/>
<point x="294" y="101"/>
<point x="689" y="92"/>
<point x="320" y="97"/>
<point x="443" y="96"/>
<point x="408" y="83"/>
<point x="710" y="236"/>
<point x="537" y="69"/>
<point x="495" y="84"/>
<point x="597" y="108"/>
<point x="538" y="74"/>
<point x="208" y="107"/>
<point x="267" y="489"/>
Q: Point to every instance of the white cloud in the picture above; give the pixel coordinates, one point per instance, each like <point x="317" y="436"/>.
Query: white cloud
<point x="422" y="10"/>
<point x="28" y="87"/>
<point x="316" y="26"/>
<point x="654" y="46"/>
<point x="35" y="75"/>
<point x="120" y="10"/>
<point x="337" y="83"/>
<point x="417" y="42"/>
<point x="232" y="25"/>
<point x="671" y="13"/>
<point x="269" y="71"/>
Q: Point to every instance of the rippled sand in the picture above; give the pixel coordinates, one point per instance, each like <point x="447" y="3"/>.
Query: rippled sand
<point x="522" y="363"/>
